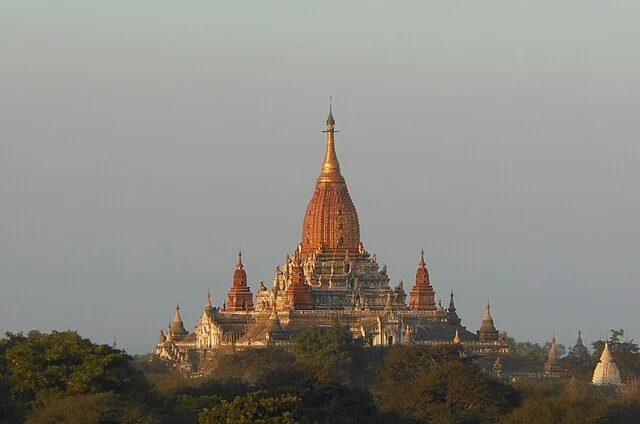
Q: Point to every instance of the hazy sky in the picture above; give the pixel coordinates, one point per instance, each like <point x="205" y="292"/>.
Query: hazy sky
<point x="141" y="143"/>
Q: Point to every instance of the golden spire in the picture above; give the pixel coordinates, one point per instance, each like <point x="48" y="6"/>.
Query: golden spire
<point x="177" y="317"/>
<point x="331" y="220"/>
<point x="330" y="167"/>
<point x="487" y="314"/>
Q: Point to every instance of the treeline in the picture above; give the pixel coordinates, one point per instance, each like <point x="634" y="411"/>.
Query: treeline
<point x="326" y="378"/>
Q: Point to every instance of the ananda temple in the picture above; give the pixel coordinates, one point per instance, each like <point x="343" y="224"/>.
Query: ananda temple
<point x="329" y="277"/>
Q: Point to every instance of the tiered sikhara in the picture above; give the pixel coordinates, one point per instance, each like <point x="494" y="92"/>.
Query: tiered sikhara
<point x="331" y="277"/>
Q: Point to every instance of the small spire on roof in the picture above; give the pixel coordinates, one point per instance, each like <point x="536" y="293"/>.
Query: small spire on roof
<point x="552" y="364"/>
<point x="239" y="265"/>
<point x="487" y="313"/>
<point x="452" y="306"/>
<point x="177" y="317"/>
<point x="330" y="120"/>
<point x="208" y="305"/>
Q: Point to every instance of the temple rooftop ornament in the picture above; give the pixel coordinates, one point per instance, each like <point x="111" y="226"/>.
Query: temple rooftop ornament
<point x="177" y="326"/>
<point x="208" y="306"/>
<point x="580" y="351"/>
<point x="240" y="297"/>
<point x="488" y="330"/>
<point x="422" y="294"/>
<point x="298" y="292"/>
<point x="457" y="339"/>
<point x="452" y="315"/>
<point x="606" y="372"/>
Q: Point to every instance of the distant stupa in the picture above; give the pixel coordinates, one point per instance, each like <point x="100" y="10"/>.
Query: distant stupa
<point x="606" y="371"/>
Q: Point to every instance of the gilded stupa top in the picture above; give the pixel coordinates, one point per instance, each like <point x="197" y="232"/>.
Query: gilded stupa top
<point x="331" y="221"/>
<point x="330" y="167"/>
<point x="177" y="326"/>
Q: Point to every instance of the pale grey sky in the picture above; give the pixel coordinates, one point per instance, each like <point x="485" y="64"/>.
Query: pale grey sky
<point x="141" y="144"/>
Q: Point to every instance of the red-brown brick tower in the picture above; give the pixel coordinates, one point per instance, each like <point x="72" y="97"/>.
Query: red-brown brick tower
<point x="422" y="294"/>
<point x="240" y="297"/>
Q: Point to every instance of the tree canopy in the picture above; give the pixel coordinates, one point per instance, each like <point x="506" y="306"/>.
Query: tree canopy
<point x="328" y="378"/>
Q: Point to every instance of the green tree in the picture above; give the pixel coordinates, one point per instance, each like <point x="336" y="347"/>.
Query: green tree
<point x="255" y="408"/>
<point x="532" y="351"/>
<point x="98" y="408"/>
<point x="572" y="401"/>
<point x="250" y="365"/>
<point x="439" y="386"/>
<point x="328" y="352"/>
<point x="38" y="369"/>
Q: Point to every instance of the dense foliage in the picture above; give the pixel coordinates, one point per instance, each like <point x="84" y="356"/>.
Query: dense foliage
<point x="39" y="370"/>
<point x="327" y="378"/>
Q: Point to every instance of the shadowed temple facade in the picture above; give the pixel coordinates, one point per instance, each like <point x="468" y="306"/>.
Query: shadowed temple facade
<point x="329" y="277"/>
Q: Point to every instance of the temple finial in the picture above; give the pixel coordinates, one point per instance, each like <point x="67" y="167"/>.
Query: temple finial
<point x="422" y="262"/>
<point x="330" y="121"/>
<point x="330" y="167"/>
<point x="239" y="265"/>
<point x="208" y="305"/>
